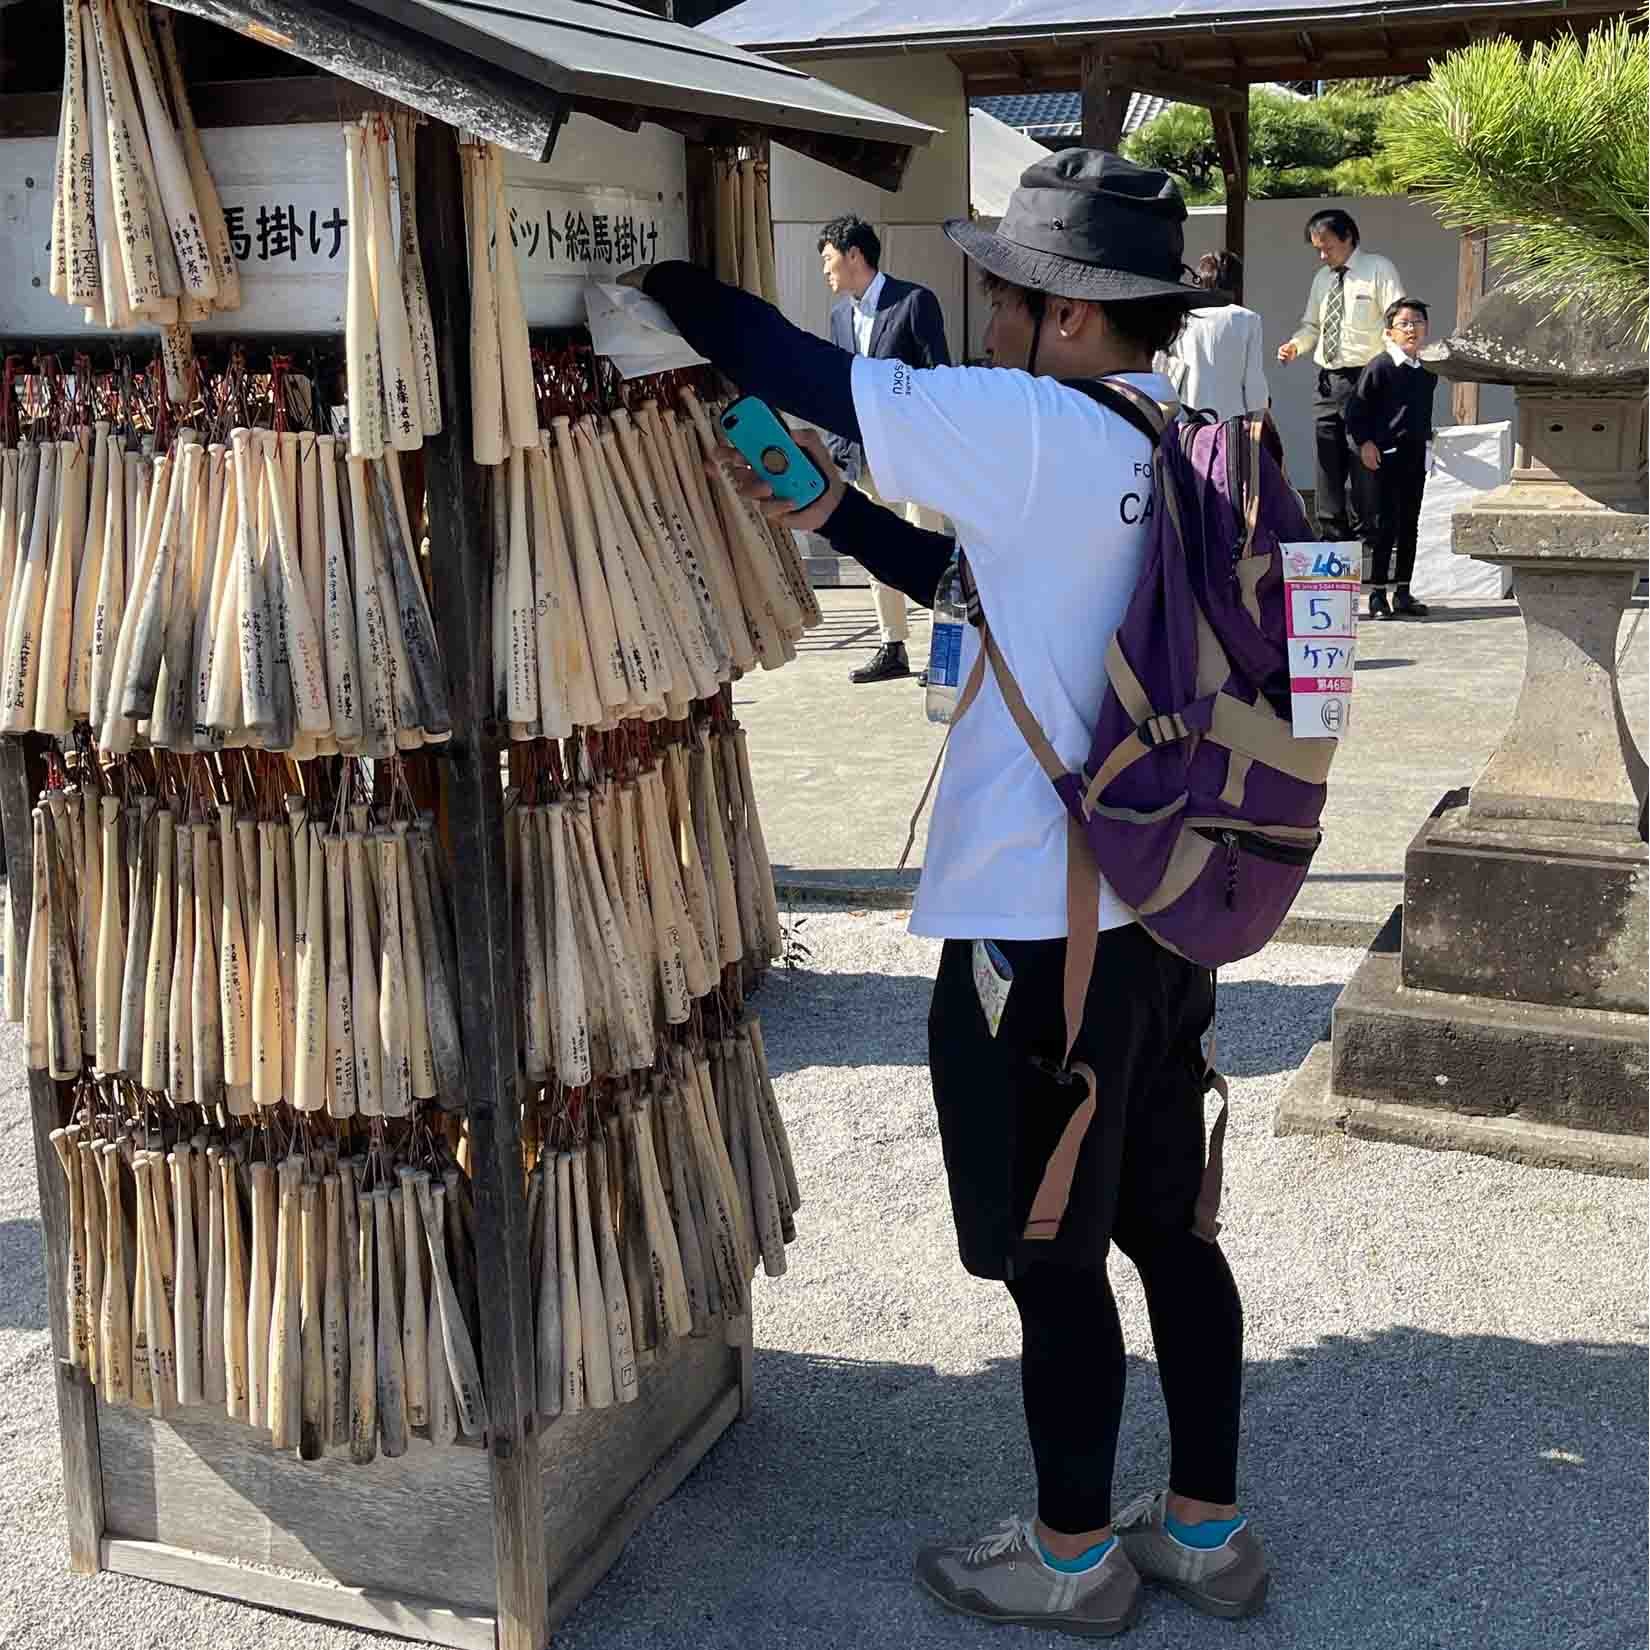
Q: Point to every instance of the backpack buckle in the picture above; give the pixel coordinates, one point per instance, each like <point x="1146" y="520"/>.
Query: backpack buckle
<point x="1162" y="730"/>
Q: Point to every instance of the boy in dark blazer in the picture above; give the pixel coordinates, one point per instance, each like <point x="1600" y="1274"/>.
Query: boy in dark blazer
<point x="877" y="315"/>
<point x="1389" y="425"/>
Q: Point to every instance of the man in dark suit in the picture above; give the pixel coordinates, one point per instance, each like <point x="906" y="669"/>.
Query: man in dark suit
<point x="875" y="314"/>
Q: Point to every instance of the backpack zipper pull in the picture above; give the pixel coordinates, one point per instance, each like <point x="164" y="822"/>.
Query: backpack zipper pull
<point x="1231" y="841"/>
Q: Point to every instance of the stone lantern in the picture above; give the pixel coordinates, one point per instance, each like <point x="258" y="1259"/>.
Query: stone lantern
<point x="1503" y="1008"/>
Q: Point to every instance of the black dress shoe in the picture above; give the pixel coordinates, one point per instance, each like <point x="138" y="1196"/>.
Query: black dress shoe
<point x="888" y="664"/>
<point x="1405" y="606"/>
<point x="922" y="678"/>
<point x="1378" y="608"/>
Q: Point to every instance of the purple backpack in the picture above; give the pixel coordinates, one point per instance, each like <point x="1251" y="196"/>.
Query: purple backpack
<point x="1197" y="803"/>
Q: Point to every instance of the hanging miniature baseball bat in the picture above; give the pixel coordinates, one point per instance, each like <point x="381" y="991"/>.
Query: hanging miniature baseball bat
<point x="490" y="438"/>
<point x="620" y="1343"/>
<point x="404" y="427"/>
<point x="364" y="366"/>
<point x="391" y="1366"/>
<point x="415" y="293"/>
<point x="363" y="1358"/>
<point x="463" y="1371"/>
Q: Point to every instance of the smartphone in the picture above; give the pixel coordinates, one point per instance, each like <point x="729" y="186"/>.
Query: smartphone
<point x="753" y="428"/>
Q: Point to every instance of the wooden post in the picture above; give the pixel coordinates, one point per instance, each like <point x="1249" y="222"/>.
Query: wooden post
<point x="460" y="566"/>
<point x="1232" y="140"/>
<point x="1105" y="101"/>
<point x="1471" y="266"/>
<point x="21" y="774"/>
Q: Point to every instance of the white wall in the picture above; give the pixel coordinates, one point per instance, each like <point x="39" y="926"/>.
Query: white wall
<point x="805" y="194"/>
<point x="1278" y="270"/>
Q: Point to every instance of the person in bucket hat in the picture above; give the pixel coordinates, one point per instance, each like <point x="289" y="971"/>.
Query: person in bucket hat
<point x="1050" y="493"/>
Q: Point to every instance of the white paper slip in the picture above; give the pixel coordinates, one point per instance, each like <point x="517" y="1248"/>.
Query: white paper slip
<point x="634" y="332"/>
<point x="1320" y="592"/>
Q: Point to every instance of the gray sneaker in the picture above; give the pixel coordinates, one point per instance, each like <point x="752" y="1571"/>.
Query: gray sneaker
<point x="1002" y="1577"/>
<point x="1229" y="1580"/>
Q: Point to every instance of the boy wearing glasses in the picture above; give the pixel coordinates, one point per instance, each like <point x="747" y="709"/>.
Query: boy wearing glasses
<point x="1389" y="423"/>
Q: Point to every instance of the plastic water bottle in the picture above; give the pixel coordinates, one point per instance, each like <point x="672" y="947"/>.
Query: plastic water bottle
<point x="945" y="646"/>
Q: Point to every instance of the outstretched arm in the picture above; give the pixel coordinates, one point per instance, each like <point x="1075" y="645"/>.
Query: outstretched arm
<point x="757" y="347"/>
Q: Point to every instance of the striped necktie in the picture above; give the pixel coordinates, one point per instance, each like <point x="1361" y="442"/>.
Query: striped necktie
<point x="1334" y="313"/>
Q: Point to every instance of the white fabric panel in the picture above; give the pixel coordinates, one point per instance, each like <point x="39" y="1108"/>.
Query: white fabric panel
<point x="1468" y="460"/>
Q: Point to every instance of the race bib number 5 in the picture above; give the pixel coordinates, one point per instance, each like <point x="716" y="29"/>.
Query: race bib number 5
<point x="1320" y="590"/>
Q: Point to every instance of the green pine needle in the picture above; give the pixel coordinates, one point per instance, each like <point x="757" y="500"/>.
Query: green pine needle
<point x="1548" y="148"/>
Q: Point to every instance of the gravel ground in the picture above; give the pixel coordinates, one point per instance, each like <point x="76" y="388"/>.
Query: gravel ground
<point x="1446" y="1380"/>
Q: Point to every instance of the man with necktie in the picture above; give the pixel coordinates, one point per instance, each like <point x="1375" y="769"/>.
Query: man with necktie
<point x="1345" y="313"/>
<point x="879" y="316"/>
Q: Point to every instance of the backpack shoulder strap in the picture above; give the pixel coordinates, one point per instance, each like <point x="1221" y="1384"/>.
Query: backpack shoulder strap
<point x="1148" y="415"/>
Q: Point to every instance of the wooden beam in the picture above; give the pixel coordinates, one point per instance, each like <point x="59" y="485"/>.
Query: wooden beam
<point x="475" y="815"/>
<point x="1179" y="88"/>
<point x="1232" y="140"/>
<point x="22" y="773"/>
<point x="1471" y="266"/>
<point x="1105" y="101"/>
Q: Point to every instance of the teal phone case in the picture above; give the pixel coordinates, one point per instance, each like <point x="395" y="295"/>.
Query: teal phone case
<point x="754" y="429"/>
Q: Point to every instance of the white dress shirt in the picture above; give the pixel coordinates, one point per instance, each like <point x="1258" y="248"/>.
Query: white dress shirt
<point x="1216" y="362"/>
<point x="865" y="314"/>
<point x="1372" y="283"/>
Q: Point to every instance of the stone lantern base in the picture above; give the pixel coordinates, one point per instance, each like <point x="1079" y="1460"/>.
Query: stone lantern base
<point x="1503" y="1007"/>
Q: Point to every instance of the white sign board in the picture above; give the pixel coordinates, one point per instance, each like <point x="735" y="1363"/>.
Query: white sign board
<point x="1320" y="592"/>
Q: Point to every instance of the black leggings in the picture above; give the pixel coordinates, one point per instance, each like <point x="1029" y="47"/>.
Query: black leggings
<point x="1072" y="1372"/>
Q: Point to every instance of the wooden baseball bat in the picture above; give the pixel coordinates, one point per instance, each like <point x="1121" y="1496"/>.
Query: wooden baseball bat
<point x="415" y="1321"/>
<point x="463" y="1371"/>
<point x="680" y="1208"/>
<point x="571" y="1019"/>
<point x="268" y="1074"/>
<point x="391" y="1368"/>
<point x="393" y="1041"/>
<point x="167" y="308"/>
<point x="263" y="1280"/>
<point x="768" y="280"/>
<point x="412" y="626"/>
<point x="446" y="1054"/>
<point x="64" y="1143"/>
<point x="363" y="1350"/>
<point x="548" y="1325"/>
<point x="404" y="431"/>
<point x="214" y="223"/>
<point x="678" y="820"/>
<point x="443" y="1406"/>
<point x="258" y="708"/>
<point x="600" y="1008"/>
<point x="115" y="1325"/>
<point x="768" y="1191"/>
<point x="139" y="260"/>
<point x="699" y="970"/>
<point x="79" y="243"/>
<point x="180" y="993"/>
<point x="214" y="1364"/>
<point x="170" y="171"/>
<point x="10" y="509"/>
<point x="620" y="1345"/>
<point x="116" y="310"/>
<point x="625" y="1193"/>
<point x="534" y="985"/>
<point x="677" y="606"/>
<point x="312" y="531"/>
<point x="234" y="1000"/>
<point x="95" y="1217"/>
<point x="109" y="593"/>
<point x="573" y="691"/>
<point x="186" y="1306"/>
<point x="152" y="600"/>
<point x="146" y="492"/>
<point x="312" y="1433"/>
<point x="78" y="690"/>
<point x="89" y="918"/>
<point x="522" y="675"/>
<point x="633" y="1018"/>
<point x="664" y="1252"/>
<point x="491" y="441"/>
<point x="680" y="463"/>
<point x="567" y="1278"/>
<point x="338" y="605"/>
<point x="157" y="986"/>
<point x="598" y="1358"/>
<point x="162" y="1364"/>
<point x="24" y="641"/>
<point x="372" y="642"/>
<point x="769" y="903"/>
<point x="305" y="657"/>
<point x="739" y="846"/>
<point x="722" y="1221"/>
<point x="364" y="1001"/>
<point x="285" y="1361"/>
<point x="231" y="1327"/>
<point x="608" y="660"/>
<point x="668" y="939"/>
<point x="521" y="419"/>
<point x="632" y="871"/>
<point x="334" y="1319"/>
<point x="340" y="1018"/>
<point x="414" y="292"/>
<point x="364" y="366"/>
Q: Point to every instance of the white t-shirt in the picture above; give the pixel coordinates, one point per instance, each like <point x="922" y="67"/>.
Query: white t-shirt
<point x="1051" y="497"/>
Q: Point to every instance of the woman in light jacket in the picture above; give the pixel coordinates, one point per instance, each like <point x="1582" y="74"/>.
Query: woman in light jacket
<point x="1215" y="363"/>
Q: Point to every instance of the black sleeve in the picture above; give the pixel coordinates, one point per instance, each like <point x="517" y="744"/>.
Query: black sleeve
<point x="758" y="348"/>
<point x="1366" y="408"/>
<point x="911" y="559"/>
<point x="930" y="330"/>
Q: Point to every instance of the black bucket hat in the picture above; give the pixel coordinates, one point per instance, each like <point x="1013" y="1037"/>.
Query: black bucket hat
<point x="1086" y="223"/>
